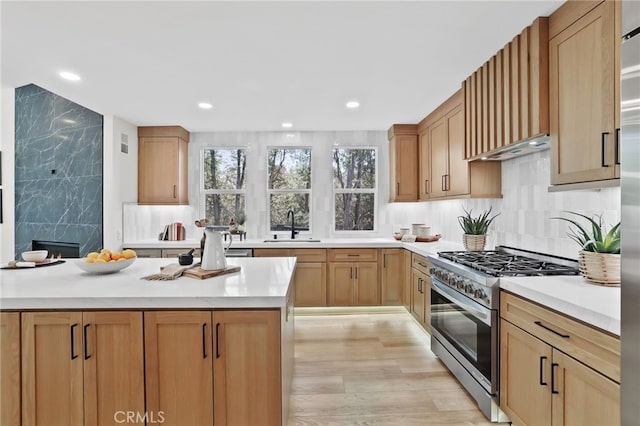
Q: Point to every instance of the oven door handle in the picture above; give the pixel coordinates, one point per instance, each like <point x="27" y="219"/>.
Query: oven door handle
<point x="481" y="313"/>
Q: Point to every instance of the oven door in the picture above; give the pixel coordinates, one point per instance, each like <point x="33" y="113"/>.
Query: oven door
<point x="468" y="331"/>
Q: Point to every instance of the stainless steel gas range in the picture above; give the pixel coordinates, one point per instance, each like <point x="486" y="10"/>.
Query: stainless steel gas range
<point x="464" y="313"/>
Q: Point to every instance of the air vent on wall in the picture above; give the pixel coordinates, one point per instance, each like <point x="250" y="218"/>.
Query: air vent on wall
<point x="124" y="143"/>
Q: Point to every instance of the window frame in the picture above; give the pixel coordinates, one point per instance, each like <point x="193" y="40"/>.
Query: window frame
<point x="289" y="191"/>
<point x="335" y="191"/>
<point x="204" y="192"/>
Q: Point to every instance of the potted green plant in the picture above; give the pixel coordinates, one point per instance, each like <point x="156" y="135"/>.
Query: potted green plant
<point x="599" y="257"/>
<point x="475" y="229"/>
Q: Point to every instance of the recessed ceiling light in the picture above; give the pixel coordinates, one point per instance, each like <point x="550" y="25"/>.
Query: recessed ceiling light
<point x="287" y="125"/>
<point x="352" y="104"/>
<point x="291" y="135"/>
<point x="205" y="105"/>
<point x="69" y="76"/>
<point x="484" y="158"/>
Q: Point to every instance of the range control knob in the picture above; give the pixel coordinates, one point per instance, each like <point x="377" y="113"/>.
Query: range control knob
<point x="468" y="288"/>
<point x="479" y="294"/>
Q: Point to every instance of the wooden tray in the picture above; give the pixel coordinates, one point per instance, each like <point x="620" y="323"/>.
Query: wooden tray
<point x="201" y="274"/>
<point x="429" y="239"/>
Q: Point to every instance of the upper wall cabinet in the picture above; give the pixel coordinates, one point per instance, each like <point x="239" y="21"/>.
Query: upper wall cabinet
<point x="162" y="165"/>
<point x="443" y="171"/>
<point x="403" y="162"/>
<point x="584" y="94"/>
<point x="507" y="98"/>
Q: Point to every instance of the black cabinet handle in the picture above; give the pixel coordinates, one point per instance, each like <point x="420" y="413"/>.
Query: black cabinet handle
<point x="73" y="355"/>
<point x="217" y="334"/>
<point x="539" y="323"/>
<point x="446" y="183"/>
<point x="426" y="186"/>
<point x="356" y="268"/>
<point x="384" y="260"/>
<point x="617" y="146"/>
<point x="175" y="191"/>
<point x="442" y="183"/>
<point x="604" y="139"/>
<point x="553" y="378"/>
<point x="204" y="341"/>
<point x="542" y="382"/>
<point x="84" y="345"/>
<point x="351" y="273"/>
<point x="398" y="188"/>
<point x="420" y="285"/>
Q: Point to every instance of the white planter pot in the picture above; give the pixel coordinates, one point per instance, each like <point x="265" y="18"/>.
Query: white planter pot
<point x="600" y="268"/>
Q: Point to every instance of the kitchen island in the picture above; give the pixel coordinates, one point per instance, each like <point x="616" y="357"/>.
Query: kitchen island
<point x="102" y="349"/>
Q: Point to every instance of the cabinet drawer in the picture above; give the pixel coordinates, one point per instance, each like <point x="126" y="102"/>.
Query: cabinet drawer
<point x="594" y="348"/>
<point x="420" y="263"/>
<point x="271" y="252"/>
<point x="353" y="255"/>
<point x="310" y="255"/>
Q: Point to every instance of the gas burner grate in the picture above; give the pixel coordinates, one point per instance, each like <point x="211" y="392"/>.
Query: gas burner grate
<point x="498" y="263"/>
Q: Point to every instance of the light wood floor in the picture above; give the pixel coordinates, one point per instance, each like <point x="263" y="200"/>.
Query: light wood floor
<point x="373" y="369"/>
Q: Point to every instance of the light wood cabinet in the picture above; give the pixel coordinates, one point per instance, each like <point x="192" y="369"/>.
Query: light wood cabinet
<point x="421" y="290"/>
<point x="403" y="162"/>
<point x="162" y="165"/>
<point x="80" y="368"/>
<point x="353" y="277"/>
<point x="450" y="174"/>
<point x="392" y="276"/>
<point x="179" y="366"/>
<point x="584" y="92"/>
<point x="247" y="366"/>
<point x="507" y="98"/>
<point x="310" y="278"/>
<point x="10" y="368"/>
<point x="406" y="292"/>
<point x="555" y="370"/>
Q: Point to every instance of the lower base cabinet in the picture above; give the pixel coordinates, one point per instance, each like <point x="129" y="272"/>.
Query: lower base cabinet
<point x="247" y="379"/>
<point x="179" y="366"/>
<point x="392" y="276"/>
<point x="542" y="385"/>
<point x="10" y="368"/>
<point x="310" y="278"/>
<point x="420" y="306"/>
<point x="81" y="368"/>
<point x="353" y="284"/>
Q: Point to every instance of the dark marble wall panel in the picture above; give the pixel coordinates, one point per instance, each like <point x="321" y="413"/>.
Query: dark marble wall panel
<point x="58" y="170"/>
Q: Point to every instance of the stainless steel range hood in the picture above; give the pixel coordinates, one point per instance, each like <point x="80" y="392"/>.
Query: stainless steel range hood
<point x="518" y="149"/>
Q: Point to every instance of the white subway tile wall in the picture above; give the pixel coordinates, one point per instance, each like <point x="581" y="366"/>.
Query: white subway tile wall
<point x="525" y="210"/>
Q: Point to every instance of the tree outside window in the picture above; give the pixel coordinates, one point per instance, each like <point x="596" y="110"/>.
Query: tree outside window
<point x="224" y="179"/>
<point x="289" y="187"/>
<point x="354" y="188"/>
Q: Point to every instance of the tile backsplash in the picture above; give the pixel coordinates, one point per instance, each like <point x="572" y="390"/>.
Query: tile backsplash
<point x="525" y="210"/>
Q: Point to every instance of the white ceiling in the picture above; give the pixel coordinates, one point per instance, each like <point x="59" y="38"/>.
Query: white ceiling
<point x="258" y="63"/>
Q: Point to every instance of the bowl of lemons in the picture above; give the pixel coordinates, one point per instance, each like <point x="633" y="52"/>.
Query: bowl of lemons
<point x="105" y="261"/>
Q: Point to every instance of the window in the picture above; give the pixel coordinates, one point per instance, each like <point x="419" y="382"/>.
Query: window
<point x="289" y="187"/>
<point x="354" y="188"/>
<point x="224" y="179"/>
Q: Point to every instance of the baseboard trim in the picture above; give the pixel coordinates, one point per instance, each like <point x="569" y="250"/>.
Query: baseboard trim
<point x="349" y="310"/>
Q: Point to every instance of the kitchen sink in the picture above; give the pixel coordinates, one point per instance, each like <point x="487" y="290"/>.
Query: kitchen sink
<point x="289" y="240"/>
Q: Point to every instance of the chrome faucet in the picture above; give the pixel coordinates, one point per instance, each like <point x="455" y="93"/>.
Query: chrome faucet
<point x="293" y="224"/>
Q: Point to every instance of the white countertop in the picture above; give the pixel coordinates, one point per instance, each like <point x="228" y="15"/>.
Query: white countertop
<point x="573" y="296"/>
<point x="261" y="283"/>
<point x="420" y="248"/>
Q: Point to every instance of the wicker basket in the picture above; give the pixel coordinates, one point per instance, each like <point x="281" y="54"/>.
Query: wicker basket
<point x="474" y="242"/>
<point x="600" y="268"/>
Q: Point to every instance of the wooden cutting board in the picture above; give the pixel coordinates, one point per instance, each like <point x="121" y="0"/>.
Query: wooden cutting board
<point x="201" y="274"/>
